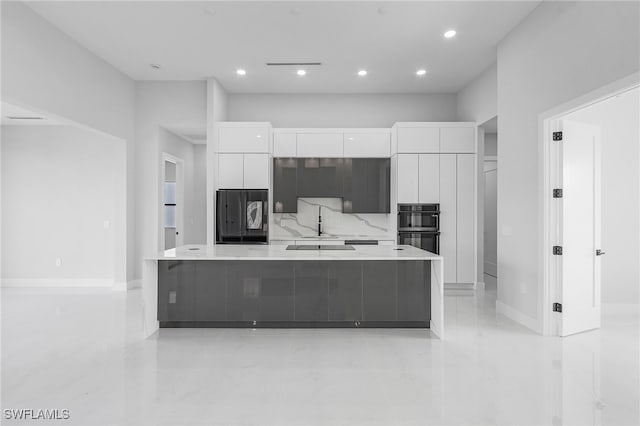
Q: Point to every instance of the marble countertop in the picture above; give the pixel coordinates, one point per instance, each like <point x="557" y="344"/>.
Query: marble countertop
<point x="333" y="237"/>
<point x="279" y="252"/>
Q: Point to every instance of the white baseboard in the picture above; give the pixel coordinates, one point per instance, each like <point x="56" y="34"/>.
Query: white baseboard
<point x="120" y="286"/>
<point x="134" y="284"/>
<point x="48" y="282"/>
<point x="620" y="309"/>
<point x="491" y="268"/>
<point x="517" y="316"/>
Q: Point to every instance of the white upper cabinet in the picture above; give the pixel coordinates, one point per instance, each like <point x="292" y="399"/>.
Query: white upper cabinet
<point x="367" y="145"/>
<point x="230" y="171"/>
<point x="284" y="145"/>
<point x="327" y="145"/>
<point x="418" y="140"/>
<point x="457" y="140"/>
<point x="256" y="171"/>
<point x="408" y="173"/>
<point x="243" y="171"/>
<point x="237" y="138"/>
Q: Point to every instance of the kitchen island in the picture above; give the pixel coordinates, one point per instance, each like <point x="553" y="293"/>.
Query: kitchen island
<point x="270" y="286"/>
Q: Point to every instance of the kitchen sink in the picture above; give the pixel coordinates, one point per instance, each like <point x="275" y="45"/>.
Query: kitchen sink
<point x="320" y="247"/>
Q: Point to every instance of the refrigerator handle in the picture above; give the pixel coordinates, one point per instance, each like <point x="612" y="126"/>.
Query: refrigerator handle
<point x="243" y="213"/>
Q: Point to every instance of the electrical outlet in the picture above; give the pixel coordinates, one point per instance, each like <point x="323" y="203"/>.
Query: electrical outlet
<point x="58" y="262"/>
<point x="283" y="223"/>
<point x="106" y="224"/>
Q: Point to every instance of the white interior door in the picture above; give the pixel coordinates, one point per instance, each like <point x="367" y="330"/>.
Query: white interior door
<point x="171" y="203"/>
<point x="580" y="227"/>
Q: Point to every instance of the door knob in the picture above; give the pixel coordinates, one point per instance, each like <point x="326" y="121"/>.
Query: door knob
<point x="599" y="252"/>
<point x="177" y="233"/>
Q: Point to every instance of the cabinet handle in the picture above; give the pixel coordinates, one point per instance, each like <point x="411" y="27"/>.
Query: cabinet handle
<point x="599" y="252"/>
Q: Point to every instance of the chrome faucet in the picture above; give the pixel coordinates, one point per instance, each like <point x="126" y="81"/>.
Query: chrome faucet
<point x="319" y="221"/>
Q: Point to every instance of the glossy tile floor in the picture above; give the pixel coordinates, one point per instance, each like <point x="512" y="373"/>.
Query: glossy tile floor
<point x="81" y="350"/>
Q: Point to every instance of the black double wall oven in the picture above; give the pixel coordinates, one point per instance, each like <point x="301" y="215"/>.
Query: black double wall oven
<point x="419" y="226"/>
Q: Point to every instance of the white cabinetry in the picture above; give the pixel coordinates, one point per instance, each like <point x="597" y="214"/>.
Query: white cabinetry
<point x="328" y="145"/>
<point x="243" y="171"/>
<point x="418" y="178"/>
<point x="436" y="163"/>
<point x="448" y="216"/>
<point x="367" y="145"/>
<point x="418" y="139"/>
<point x="284" y="145"/>
<point x="428" y="178"/>
<point x="243" y="138"/>
<point x="465" y="218"/>
<point x="457" y="217"/>
<point x="230" y="171"/>
<point x="457" y="140"/>
<point x="256" y="171"/>
<point x="408" y="190"/>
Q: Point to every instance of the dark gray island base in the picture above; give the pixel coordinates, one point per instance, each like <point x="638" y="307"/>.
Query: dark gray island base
<point x="294" y="293"/>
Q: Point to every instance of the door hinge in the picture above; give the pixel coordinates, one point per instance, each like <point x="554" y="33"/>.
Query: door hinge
<point x="557" y="193"/>
<point x="557" y="136"/>
<point x="557" y="250"/>
<point x="557" y="307"/>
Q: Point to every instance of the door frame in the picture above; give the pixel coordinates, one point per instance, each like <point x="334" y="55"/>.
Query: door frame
<point x="166" y="157"/>
<point x="490" y="164"/>
<point x="548" y="122"/>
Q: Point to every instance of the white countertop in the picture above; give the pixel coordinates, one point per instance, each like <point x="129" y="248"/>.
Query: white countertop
<point x="279" y="252"/>
<point x="333" y="237"/>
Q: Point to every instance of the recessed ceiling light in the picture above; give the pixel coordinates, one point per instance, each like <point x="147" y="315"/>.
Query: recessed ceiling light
<point x="421" y="72"/>
<point x="208" y="11"/>
<point x="295" y="11"/>
<point x="240" y="71"/>
<point x="362" y="73"/>
<point x="450" y="34"/>
<point x="301" y="72"/>
<point x="155" y="66"/>
<point x="382" y="10"/>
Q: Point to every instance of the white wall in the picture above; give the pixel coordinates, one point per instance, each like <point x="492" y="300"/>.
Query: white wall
<point x="45" y="70"/>
<point x="171" y="104"/>
<point x="619" y="121"/>
<point x="478" y="100"/>
<point x="59" y="186"/>
<point x="217" y="110"/>
<point x="490" y="144"/>
<point x="375" y="110"/>
<point x="561" y="51"/>
<point x="199" y="233"/>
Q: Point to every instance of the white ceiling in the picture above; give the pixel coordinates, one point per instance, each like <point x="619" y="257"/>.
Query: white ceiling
<point x="392" y="39"/>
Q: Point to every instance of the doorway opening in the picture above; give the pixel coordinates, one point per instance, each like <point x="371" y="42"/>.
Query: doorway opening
<point x="64" y="187"/>
<point x="591" y="194"/>
<point x="488" y="203"/>
<point x="172" y="202"/>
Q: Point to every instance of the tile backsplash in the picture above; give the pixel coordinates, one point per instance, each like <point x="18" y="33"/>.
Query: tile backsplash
<point x="334" y="222"/>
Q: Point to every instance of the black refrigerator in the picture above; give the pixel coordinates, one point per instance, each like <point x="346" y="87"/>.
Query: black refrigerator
<point x="242" y="216"/>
